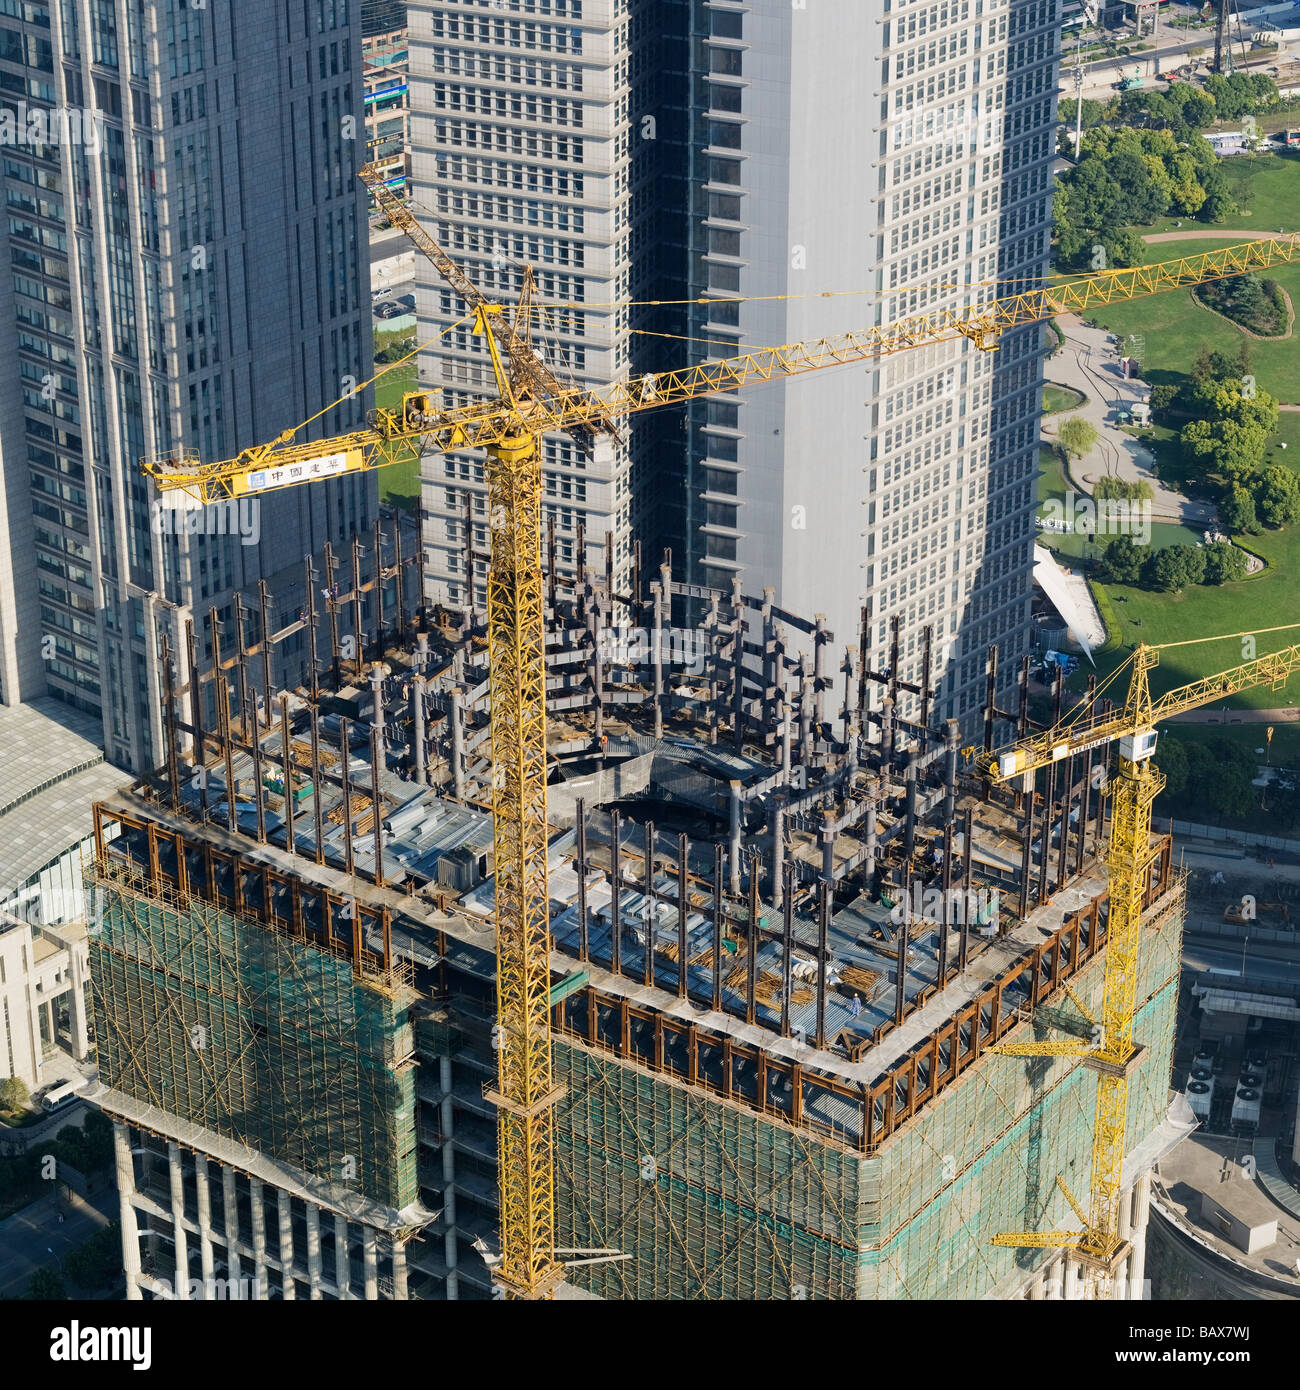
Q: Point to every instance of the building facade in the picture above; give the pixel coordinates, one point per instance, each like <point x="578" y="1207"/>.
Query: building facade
<point x="538" y="137"/>
<point x="388" y="104"/>
<point x="894" y="156"/>
<point x="188" y="269"/>
<point x="898" y="155"/>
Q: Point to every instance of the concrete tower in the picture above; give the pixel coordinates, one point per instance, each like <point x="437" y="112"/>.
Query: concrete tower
<point x="187" y="270"/>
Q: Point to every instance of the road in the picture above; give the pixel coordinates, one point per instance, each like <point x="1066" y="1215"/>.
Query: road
<point x="34" y="1236"/>
<point x="1101" y="75"/>
<point x="387" y="243"/>
<point x="1202" y="955"/>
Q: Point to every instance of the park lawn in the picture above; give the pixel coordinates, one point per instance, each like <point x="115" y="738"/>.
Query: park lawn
<point x="1172" y="327"/>
<point x="1265" y="187"/>
<point x="399" y="483"/>
<point x="1058" y="398"/>
<point x="1264" y="601"/>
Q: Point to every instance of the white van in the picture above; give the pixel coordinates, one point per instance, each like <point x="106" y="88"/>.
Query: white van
<point x="60" y="1097"/>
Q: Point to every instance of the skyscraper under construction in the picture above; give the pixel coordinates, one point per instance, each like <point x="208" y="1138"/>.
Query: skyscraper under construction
<point x="789" y="931"/>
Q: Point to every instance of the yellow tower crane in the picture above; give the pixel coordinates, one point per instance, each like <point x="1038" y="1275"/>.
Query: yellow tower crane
<point x="530" y="402"/>
<point x="1114" y="1053"/>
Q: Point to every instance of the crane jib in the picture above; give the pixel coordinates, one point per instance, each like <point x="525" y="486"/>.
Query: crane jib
<point x="305" y="470"/>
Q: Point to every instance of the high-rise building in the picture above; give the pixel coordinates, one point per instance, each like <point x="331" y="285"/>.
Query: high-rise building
<point x="898" y="153"/>
<point x="787" y="1007"/>
<point x="388" y="104"/>
<point x="895" y="154"/>
<point x="539" y="136"/>
<point x="186" y="269"/>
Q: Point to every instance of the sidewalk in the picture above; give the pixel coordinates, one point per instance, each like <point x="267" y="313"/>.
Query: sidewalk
<point x="1290" y="715"/>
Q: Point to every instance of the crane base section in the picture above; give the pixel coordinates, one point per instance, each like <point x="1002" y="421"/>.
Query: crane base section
<point x="1108" y="1264"/>
<point x="1120" y="1070"/>
<point x="525" y="1112"/>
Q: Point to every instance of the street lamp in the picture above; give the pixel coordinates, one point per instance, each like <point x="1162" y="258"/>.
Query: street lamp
<point x="1244" y="944"/>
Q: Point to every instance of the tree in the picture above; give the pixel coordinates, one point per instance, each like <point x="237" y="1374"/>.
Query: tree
<point x="46" y="1285"/>
<point x="1163" y="398"/>
<point x="1277" y="496"/>
<point x="13" y="1093"/>
<point x="1123" y="249"/>
<point x="1219" y="776"/>
<point x="1203" y="367"/>
<point x="1233" y="451"/>
<point x="1142" y="200"/>
<point x="1224" y="563"/>
<point x="1195" y="107"/>
<point x="1171" y="758"/>
<point x="1237" y="510"/>
<point x="1174" y="568"/>
<point x="1262" y="88"/>
<point x="1077" y="436"/>
<point x="1121" y="561"/>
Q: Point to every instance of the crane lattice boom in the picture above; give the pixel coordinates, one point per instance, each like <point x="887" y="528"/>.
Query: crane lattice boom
<point x="421" y="428"/>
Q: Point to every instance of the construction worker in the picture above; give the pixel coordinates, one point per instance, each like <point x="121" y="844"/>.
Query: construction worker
<point x="856" y="1007"/>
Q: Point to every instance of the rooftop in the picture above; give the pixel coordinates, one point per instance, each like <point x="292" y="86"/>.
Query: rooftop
<point x="52" y="771"/>
<point x="1224" y="1169"/>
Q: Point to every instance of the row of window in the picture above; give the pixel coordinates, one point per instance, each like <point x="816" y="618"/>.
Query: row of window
<point x="560" y="77"/>
<point x="544" y="38"/>
<point x="515" y="106"/>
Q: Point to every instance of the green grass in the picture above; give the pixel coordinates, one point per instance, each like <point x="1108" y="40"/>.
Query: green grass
<point x="1263" y="601"/>
<point x="1173" y="326"/>
<point x="1202" y="611"/>
<point x="399" y="484"/>
<point x="1057" y="398"/>
<point x="1265" y="187"/>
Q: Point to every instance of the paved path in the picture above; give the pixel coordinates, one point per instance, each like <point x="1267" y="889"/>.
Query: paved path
<point x="1290" y="715"/>
<point x="1208" y="234"/>
<point x="1089" y="362"/>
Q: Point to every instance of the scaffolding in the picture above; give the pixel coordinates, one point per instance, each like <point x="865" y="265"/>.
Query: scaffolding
<point x="275" y="1043"/>
<point x="712" y="1201"/>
